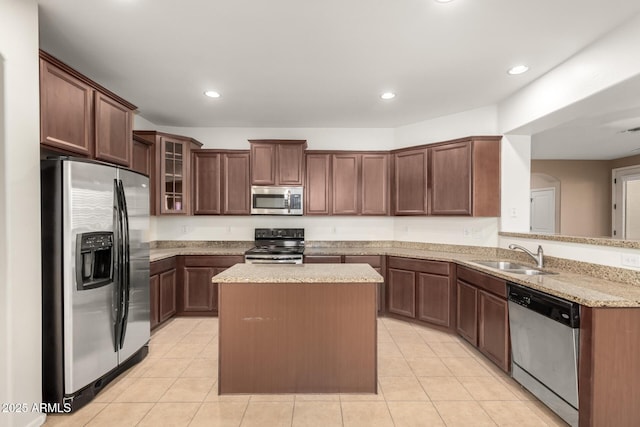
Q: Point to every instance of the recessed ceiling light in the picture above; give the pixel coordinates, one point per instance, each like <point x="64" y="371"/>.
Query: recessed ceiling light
<point x="518" y="69"/>
<point x="388" y="95"/>
<point x="212" y="94"/>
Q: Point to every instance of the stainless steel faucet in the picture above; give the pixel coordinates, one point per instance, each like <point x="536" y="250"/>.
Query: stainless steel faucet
<point x="539" y="257"/>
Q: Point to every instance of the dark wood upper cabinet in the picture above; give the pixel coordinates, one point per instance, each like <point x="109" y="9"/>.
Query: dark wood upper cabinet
<point x="277" y="162"/>
<point x="345" y="171"/>
<point x="80" y="117"/>
<point x="236" y="183"/>
<point x="375" y="184"/>
<point x="263" y="163"/>
<point x="206" y="177"/>
<point x="66" y="111"/>
<point x="318" y="195"/>
<point x="170" y="171"/>
<point x="290" y="164"/>
<point x="142" y="155"/>
<point x="450" y="171"/>
<point x="465" y="177"/>
<point x="113" y="122"/>
<point x="410" y="182"/>
<point x="221" y="182"/>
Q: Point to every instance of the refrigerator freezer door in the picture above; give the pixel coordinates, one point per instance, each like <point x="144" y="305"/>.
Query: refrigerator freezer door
<point x="89" y="342"/>
<point x="137" y="327"/>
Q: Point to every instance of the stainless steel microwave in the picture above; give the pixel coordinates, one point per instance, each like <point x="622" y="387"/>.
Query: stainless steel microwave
<point x="276" y="200"/>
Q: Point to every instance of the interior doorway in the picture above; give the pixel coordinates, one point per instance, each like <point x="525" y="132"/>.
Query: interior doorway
<point x="626" y="203"/>
<point x="543" y="210"/>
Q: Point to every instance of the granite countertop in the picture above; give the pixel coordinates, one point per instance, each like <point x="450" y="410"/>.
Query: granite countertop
<point x="299" y="273"/>
<point x="575" y="281"/>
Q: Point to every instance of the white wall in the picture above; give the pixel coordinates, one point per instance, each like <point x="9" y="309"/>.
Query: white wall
<point x="20" y="288"/>
<point x="481" y="121"/>
<point x="447" y="230"/>
<point x="317" y="138"/>
<point x="605" y="63"/>
<point x="515" y="183"/>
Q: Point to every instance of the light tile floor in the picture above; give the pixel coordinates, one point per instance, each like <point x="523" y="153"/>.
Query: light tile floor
<point x="426" y="378"/>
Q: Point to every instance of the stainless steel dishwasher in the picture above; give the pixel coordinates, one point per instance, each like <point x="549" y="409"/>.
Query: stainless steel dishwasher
<point x="544" y="348"/>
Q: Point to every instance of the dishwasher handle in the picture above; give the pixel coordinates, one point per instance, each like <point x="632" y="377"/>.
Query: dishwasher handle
<point x="558" y="309"/>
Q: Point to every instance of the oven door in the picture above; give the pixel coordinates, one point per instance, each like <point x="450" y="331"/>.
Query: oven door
<point x="276" y="200"/>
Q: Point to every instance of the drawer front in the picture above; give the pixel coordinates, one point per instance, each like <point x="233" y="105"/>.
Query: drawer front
<point x="212" y="260"/>
<point x="372" y="260"/>
<point x="323" y="259"/>
<point x="483" y="281"/>
<point x="412" y="264"/>
<point x="157" y="267"/>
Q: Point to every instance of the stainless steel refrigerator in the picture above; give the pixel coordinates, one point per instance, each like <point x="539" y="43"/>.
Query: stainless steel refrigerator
<point x="95" y="276"/>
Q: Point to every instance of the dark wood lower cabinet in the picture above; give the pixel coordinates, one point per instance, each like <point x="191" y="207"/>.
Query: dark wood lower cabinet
<point x="162" y="291"/>
<point x="167" y="300"/>
<point x="493" y="328"/>
<point x="483" y="314"/>
<point x="154" y="300"/>
<point x="467" y="312"/>
<point x="402" y="292"/>
<point x="323" y="259"/>
<point x="197" y="295"/>
<point x="434" y="295"/>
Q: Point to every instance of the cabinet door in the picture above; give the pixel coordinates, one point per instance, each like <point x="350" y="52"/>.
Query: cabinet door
<point x="167" y="295"/>
<point x="206" y="173"/>
<point x="173" y="175"/>
<point x="237" y="189"/>
<point x="410" y="182"/>
<point x="375" y="184"/>
<point x="263" y="164"/>
<point x="154" y="299"/>
<point x="450" y="169"/>
<point x="290" y="164"/>
<point x="467" y="309"/>
<point x="402" y="292"/>
<point x="318" y="185"/>
<point x="66" y="111"/>
<point x="345" y="169"/>
<point x="198" y="289"/>
<point x="434" y="297"/>
<point x="493" y="328"/>
<point x="141" y="158"/>
<point x="112" y="130"/>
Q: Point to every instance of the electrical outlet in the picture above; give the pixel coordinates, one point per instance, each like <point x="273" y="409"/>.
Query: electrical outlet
<point x="185" y="229"/>
<point x="466" y="232"/>
<point x="631" y="260"/>
<point x="514" y="213"/>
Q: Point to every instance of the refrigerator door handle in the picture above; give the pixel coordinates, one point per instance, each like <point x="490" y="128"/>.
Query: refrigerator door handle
<point x="118" y="267"/>
<point x="126" y="264"/>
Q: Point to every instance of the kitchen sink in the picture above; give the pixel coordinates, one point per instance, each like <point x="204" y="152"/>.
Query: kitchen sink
<point x="513" y="267"/>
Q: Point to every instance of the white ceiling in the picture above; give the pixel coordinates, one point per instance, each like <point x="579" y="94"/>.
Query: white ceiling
<point x="303" y="63"/>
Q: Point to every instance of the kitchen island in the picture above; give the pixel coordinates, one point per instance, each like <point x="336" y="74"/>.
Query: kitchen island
<point x="305" y="328"/>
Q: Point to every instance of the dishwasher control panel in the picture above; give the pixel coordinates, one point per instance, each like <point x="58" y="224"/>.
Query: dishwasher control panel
<point x="558" y="309"/>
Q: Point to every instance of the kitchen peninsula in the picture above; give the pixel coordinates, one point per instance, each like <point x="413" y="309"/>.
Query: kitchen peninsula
<point x="306" y="328"/>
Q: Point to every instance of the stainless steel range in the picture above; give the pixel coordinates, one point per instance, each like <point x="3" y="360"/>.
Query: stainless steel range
<point x="276" y="246"/>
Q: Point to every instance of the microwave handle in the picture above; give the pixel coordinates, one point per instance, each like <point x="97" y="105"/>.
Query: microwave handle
<point x="287" y="200"/>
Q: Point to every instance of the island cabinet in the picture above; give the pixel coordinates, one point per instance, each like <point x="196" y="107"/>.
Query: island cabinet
<point x="421" y="290"/>
<point x="410" y="182"/>
<point x="220" y="182"/>
<point x="483" y="314"/>
<point x="162" y="290"/>
<point x="80" y="117"/>
<point x="465" y="177"/>
<point x="197" y="295"/>
<point x="347" y="183"/>
<point x="171" y="169"/>
<point x="277" y="162"/>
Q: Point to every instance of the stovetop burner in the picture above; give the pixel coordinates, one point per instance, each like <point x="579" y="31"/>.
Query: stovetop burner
<point x="284" y="242"/>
